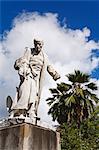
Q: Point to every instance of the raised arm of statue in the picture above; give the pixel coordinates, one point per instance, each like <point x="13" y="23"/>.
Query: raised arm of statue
<point x="51" y="70"/>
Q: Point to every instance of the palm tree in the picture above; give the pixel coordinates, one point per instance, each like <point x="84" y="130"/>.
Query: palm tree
<point x="73" y="102"/>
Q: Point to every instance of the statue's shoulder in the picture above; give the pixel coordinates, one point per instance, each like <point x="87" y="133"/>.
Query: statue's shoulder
<point x="27" y="49"/>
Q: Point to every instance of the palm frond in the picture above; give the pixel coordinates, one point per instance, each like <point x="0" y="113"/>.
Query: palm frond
<point x="91" y="105"/>
<point x="54" y="91"/>
<point x="54" y="111"/>
<point x="79" y="91"/>
<point x="78" y="77"/>
<point x="50" y="103"/>
<point x="92" y="86"/>
<point x="63" y="87"/>
<point x="91" y="95"/>
<point x="70" y="100"/>
<point x="50" y="99"/>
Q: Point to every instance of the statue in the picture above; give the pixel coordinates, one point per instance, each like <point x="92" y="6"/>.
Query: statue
<point x="31" y="69"/>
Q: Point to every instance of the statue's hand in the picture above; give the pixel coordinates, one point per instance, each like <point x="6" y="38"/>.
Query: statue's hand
<point x="56" y="77"/>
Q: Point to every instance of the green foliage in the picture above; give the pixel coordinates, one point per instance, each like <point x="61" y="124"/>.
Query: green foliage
<point x="84" y="138"/>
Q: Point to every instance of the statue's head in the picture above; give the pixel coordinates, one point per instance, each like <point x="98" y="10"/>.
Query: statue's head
<point x="38" y="44"/>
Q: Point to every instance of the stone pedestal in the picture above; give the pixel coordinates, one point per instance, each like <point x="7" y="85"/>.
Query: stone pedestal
<point x="28" y="137"/>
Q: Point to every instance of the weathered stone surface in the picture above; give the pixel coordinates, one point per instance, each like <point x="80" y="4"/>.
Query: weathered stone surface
<point x="28" y="137"/>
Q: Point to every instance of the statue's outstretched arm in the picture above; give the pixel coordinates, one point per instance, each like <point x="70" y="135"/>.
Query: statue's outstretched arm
<point x="51" y="70"/>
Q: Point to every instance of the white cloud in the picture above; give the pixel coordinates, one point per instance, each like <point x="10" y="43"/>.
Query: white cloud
<point x="67" y="49"/>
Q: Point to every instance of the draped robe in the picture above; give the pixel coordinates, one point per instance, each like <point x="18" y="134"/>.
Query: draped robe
<point x="32" y="68"/>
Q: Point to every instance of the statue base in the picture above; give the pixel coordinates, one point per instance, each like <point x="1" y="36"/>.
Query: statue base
<point x="27" y="136"/>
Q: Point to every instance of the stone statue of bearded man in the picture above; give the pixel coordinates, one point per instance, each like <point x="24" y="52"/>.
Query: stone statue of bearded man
<point x="31" y="69"/>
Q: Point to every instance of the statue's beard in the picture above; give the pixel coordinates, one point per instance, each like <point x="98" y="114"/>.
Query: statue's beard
<point x="38" y="50"/>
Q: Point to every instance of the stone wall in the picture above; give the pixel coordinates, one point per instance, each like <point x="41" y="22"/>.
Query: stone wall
<point x="28" y="137"/>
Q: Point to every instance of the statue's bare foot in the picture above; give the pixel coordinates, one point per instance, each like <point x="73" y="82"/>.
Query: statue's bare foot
<point x="21" y="116"/>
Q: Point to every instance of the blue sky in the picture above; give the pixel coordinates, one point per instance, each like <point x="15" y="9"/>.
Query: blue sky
<point x="77" y="14"/>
